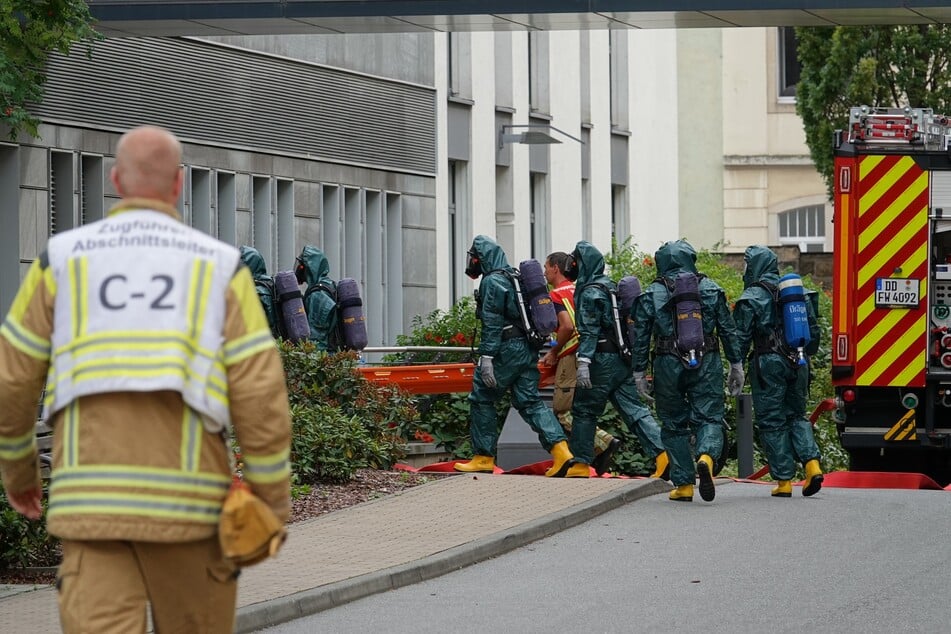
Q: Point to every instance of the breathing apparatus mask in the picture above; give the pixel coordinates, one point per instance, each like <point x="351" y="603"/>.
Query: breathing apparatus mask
<point x="473" y="266"/>
<point x="571" y="266"/>
<point x="300" y="272"/>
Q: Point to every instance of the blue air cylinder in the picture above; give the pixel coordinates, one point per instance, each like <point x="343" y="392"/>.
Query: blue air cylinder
<point x="628" y="290"/>
<point x="353" y="323"/>
<point x="291" y="311"/>
<point x="535" y="292"/>
<point x="689" y="318"/>
<point x="792" y="303"/>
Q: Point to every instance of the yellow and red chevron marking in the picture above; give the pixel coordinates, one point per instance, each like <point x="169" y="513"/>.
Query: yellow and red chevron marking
<point x="892" y="241"/>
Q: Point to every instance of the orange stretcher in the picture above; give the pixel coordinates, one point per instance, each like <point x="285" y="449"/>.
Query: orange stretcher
<point x="441" y="378"/>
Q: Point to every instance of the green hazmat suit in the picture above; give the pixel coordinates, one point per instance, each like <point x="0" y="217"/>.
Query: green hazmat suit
<point x="320" y="306"/>
<point x="780" y="386"/>
<point x="611" y="376"/>
<point x="264" y="285"/>
<point x="514" y="361"/>
<point x="688" y="401"/>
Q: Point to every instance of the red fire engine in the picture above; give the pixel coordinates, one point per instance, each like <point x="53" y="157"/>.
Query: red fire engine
<point x="891" y="328"/>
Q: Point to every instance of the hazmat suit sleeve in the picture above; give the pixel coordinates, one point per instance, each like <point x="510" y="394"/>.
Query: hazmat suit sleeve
<point x="644" y="313"/>
<point x="494" y="291"/>
<point x="589" y="307"/>
<point x="726" y="329"/>
<point x="744" y="317"/>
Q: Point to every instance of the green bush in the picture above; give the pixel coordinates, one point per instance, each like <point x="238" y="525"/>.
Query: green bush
<point x="341" y="422"/>
<point x="456" y="327"/>
<point x="25" y="543"/>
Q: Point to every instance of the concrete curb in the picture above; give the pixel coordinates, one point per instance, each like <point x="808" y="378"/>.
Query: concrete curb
<point x="254" y="617"/>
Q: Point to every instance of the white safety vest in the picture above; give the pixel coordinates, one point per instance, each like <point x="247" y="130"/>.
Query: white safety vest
<point x="140" y="306"/>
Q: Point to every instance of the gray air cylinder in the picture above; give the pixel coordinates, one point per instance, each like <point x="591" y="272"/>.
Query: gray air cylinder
<point x="353" y="324"/>
<point x="291" y="304"/>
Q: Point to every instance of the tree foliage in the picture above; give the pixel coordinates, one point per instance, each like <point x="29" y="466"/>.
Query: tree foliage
<point x="877" y="66"/>
<point x="29" y="31"/>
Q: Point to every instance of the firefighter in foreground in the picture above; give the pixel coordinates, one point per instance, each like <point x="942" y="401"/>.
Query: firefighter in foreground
<point x="602" y="373"/>
<point x="264" y="286"/>
<point x="320" y="302"/>
<point x="779" y="377"/>
<point x="562" y="356"/>
<point x="506" y="362"/>
<point x="685" y="313"/>
<point x="152" y="343"/>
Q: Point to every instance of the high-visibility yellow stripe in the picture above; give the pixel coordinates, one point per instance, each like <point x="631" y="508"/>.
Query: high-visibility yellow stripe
<point x="845" y="259"/>
<point x="141" y="505"/>
<point x="211" y="485"/>
<point x="885" y="358"/>
<point x="883" y="184"/>
<point x="247" y="346"/>
<point x="912" y="370"/>
<point x="27" y="289"/>
<point x="869" y="163"/>
<point x="915" y="260"/>
<point x="885" y="220"/>
<point x="24" y="340"/>
<point x="78" y="269"/>
<point x="898" y="240"/>
<point x="267" y="469"/>
<point x="71" y="443"/>
<point x="904" y="429"/>
<point x="16" y="447"/>
<point x="191" y="440"/>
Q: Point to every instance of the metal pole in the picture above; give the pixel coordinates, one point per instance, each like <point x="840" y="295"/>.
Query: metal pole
<point x="744" y="435"/>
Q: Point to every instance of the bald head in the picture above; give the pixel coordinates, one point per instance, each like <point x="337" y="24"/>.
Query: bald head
<point x="148" y="161"/>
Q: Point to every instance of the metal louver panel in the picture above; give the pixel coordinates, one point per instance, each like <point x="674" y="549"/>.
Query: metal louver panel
<point x="207" y="92"/>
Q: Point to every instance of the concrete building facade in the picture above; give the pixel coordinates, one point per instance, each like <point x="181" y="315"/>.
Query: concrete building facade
<point x="391" y="151"/>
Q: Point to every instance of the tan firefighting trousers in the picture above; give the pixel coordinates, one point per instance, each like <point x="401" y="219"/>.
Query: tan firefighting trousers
<point x="104" y="587"/>
<point x="564" y="396"/>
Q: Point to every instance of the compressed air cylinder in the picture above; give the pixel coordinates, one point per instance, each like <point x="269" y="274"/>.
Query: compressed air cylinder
<point x="535" y="291"/>
<point x="353" y="324"/>
<point x="689" y="325"/>
<point x="291" y="311"/>
<point x="792" y="302"/>
<point x="628" y="290"/>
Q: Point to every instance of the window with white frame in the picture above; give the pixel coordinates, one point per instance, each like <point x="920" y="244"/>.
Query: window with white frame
<point x="804" y="227"/>
<point x="789" y="66"/>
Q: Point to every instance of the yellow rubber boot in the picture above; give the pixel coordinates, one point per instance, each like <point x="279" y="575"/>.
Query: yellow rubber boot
<point x="663" y="464"/>
<point x="478" y="464"/>
<point x="683" y="493"/>
<point x="813" y="478"/>
<point x="783" y="490"/>
<point x="561" y="457"/>
<point x="705" y="473"/>
<point x="578" y="470"/>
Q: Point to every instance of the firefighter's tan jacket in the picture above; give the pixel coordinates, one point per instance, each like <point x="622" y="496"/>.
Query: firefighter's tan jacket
<point x="132" y="460"/>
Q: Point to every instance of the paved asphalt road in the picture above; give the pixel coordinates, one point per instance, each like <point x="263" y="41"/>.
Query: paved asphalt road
<point x="846" y="560"/>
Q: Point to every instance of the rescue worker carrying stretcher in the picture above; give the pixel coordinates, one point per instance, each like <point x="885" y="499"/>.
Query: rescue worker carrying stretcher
<point x="506" y="362"/>
<point x="602" y="373"/>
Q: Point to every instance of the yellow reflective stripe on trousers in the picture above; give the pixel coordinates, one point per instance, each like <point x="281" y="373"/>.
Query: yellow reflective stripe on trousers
<point x="24" y="340"/>
<point x="78" y="280"/>
<point x="570" y="309"/>
<point x="16" y="447"/>
<point x="191" y="440"/>
<point x="126" y="504"/>
<point x="267" y="469"/>
<point x="209" y="485"/>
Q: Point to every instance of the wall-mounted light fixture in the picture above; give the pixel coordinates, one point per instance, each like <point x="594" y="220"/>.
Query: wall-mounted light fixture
<point x="531" y="134"/>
